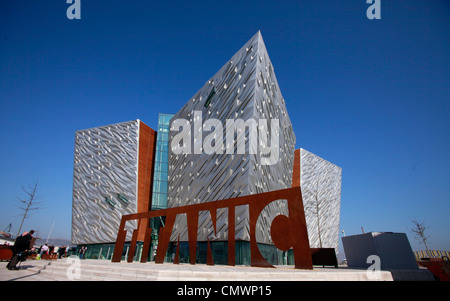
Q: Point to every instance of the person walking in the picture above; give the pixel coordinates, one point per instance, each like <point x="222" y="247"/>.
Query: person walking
<point x="20" y="249"/>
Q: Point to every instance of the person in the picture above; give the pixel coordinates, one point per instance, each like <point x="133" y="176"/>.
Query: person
<point x="82" y="252"/>
<point x="66" y="251"/>
<point x="20" y="249"/>
<point x="61" y="251"/>
<point x="44" y="250"/>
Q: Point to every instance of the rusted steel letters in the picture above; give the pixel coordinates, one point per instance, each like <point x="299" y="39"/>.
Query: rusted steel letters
<point x="286" y="231"/>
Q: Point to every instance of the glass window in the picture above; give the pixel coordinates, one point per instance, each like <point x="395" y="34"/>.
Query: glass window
<point x="157" y="177"/>
<point x="155" y="199"/>
<point x="165" y="145"/>
<point x="163" y="186"/>
<point x="155" y="186"/>
<point x="165" y="136"/>
<point x="167" y="118"/>
<point x="164" y="157"/>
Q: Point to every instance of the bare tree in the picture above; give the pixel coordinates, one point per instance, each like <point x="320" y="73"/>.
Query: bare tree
<point x="318" y="219"/>
<point x="29" y="203"/>
<point x="315" y="210"/>
<point x="419" y="232"/>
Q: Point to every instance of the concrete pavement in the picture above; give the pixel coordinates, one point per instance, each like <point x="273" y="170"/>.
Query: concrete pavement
<point x="103" y="270"/>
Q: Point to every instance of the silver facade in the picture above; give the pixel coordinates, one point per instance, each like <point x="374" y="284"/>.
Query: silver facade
<point x="320" y="182"/>
<point x="244" y="88"/>
<point x="104" y="181"/>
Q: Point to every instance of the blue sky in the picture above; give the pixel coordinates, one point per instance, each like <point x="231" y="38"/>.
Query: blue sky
<point x="371" y="96"/>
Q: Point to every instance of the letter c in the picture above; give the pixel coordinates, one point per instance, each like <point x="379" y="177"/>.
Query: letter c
<point x="225" y="294"/>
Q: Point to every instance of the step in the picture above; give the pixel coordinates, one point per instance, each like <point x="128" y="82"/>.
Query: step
<point x="95" y="270"/>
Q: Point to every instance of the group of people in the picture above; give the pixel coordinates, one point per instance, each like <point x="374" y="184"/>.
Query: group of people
<point x="60" y="251"/>
<point x="23" y="247"/>
<point x="82" y="252"/>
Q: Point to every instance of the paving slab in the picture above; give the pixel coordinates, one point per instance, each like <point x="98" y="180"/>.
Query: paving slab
<point x="95" y="270"/>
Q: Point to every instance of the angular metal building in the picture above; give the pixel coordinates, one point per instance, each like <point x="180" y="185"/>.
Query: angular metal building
<point x="233" y="138"/>
<point x="239" y="142"/>
<point x="320" y="182"/>
<point x="112" y="176"/>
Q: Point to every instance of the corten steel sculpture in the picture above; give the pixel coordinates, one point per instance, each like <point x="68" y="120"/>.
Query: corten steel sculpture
<point x="286" y="231"/>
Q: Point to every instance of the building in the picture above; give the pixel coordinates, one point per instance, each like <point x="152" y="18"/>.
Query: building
<point x="320" y="182"/>
<point x="112" y="176"/>
<point x="233" y="138"/>
<point x="420" y="255"/>
<point x="160" y="177"/>
<point x="159" y="193"/>
<point x="240" y="100"/>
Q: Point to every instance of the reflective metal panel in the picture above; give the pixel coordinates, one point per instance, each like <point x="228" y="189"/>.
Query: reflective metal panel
<point x="104" y="176"/>
<point x="245" y="88"/>
<point x="320" y="182"/>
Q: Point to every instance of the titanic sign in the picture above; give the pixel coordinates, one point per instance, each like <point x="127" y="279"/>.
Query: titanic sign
<point x="287" y="231"/>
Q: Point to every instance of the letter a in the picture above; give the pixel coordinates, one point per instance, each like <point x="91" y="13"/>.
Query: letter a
<point x="74" y="11"/>
<point x="373" y="11"/>
<point x="184" y="136"/>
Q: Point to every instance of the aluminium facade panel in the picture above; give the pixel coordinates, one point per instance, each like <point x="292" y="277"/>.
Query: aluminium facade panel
<point x="246" y="89"/>
<point x="109" y="163"/>
<point x="320" y="182"/>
